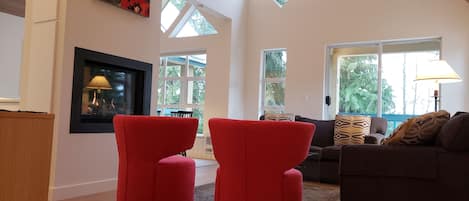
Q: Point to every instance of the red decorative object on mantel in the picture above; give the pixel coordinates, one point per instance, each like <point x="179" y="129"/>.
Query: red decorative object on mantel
<point x="141" y="7"/>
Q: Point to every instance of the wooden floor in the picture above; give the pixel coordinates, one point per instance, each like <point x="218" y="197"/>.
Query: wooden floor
<point x="204" y="174"/>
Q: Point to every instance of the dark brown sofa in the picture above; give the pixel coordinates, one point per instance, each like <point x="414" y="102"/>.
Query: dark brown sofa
<point x="408" y="173"/>
<point x="322" y="163"/>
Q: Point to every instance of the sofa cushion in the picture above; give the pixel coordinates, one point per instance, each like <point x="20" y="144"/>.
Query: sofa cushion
<point x="331" y="153"/>
<point x="315" y="149"/>
<point x="377" y="138"/>
<point x="454" y="136"/>
<point x="390" y="161"/>
<point x="421" y="130"/>
<point x="324" y="133"/>
<point x="351" y="129"/>
<point x="314" y="156"/>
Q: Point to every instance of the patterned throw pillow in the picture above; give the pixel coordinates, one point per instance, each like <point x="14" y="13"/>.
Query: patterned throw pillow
<point x="351" y="129"/>
<point x="421" y="130"/>
<point x="280" y="117"/>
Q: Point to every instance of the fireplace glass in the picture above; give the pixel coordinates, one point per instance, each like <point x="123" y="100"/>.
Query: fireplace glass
<point x="105" y="85"/>
<point x="106" y="92"/>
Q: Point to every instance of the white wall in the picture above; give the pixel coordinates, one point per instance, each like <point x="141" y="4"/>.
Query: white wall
<point x="38" y="56"/>
<point x="306" y="27"/>
<point x="11" y="40"/>
<point x="236" y="10"/>
<point x="87" y="163"/>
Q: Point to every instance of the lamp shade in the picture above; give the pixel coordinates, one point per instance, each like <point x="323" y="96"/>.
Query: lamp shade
<point x="438" y="70"/>
<point x="99" y="82"/>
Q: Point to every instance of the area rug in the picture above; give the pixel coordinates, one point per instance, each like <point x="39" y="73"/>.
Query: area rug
<point x="311" y="192"/>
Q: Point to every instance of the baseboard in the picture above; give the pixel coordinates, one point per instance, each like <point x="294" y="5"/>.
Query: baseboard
<point x="83" y="189"/>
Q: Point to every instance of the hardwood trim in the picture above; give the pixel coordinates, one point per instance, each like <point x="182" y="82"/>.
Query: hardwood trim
<point x="25" y="153"/>
<point x="9" y="100"/>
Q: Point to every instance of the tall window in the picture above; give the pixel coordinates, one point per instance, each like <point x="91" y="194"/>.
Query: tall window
<point x="182" y="85"/>
<point x="192" y="23"/>
<point x="273" y="81"/>
<point x="378" y="79"/>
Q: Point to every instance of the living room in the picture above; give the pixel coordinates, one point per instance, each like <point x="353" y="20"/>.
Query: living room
<point x="86" y="164"/>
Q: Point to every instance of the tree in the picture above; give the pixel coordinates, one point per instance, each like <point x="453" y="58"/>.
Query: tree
<point x="275" y="67"/>
<point x="358" y="92"/>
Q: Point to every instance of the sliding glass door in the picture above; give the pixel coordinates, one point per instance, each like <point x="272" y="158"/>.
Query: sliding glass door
<point x="377" y="79"/>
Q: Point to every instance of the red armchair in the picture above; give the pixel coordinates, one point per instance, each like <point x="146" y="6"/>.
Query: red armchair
<point x="149" y="167"/>
<point x="256" y="159"/>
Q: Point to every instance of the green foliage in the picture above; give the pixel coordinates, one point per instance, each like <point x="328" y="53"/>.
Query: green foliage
<point x="282" y="2"/>
<point x="173" y="88"/>
<point x="275" y="67"/>
<point x="200" y="24"/>
<point x="178" y="3"/>
<point x="358" y="91"/>
<point x="198" y="92"/>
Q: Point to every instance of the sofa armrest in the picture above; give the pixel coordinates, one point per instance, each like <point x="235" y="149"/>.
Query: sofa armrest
<point x="374" y="138"/>
<point x="389" y="161"/>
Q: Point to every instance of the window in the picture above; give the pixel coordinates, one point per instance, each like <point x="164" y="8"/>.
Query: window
<point x="171" y="10"/>
<point x="377" y="79"/>
<point x="281" y="3"/>
<point x="196" y="25"/>
<point x="191" y="23"/>
<point x="273" y="81"/>
<point x="181" y="85"/>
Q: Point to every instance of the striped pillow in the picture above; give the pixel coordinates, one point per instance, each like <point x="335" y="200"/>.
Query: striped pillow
<point x="351" y="129"/>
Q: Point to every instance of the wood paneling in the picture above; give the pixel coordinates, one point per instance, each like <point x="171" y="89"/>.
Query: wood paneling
<point x="13" y="7"/>
<point x="25" y="156"/>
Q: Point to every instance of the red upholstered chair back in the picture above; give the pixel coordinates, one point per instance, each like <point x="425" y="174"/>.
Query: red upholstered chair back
<point x="254" y="155"/>
<point x="142" y="141"/>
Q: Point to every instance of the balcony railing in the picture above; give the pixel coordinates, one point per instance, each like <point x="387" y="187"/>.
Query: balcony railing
<point x="394" y="120"/>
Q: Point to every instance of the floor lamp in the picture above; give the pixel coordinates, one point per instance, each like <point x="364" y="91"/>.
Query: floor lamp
<point x="439" y="72"/>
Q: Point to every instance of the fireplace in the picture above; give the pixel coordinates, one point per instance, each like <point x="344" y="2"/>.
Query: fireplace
<point x="105" y="85"/>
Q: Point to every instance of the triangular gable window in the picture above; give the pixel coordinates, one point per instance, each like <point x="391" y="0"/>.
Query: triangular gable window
<point x="196" y="25"/>
<point x="281" y="3"/>
<point x="171" y="10"/>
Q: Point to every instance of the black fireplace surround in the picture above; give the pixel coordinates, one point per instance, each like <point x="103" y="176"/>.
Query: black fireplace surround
<point x="105" y="85"/>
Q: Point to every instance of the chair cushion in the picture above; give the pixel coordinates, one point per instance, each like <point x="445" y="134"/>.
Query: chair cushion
<point x="421" y="130"/>
<point x="331" y="153"/>
<point x="454" y="135"/>
<point x="351" y="129"/>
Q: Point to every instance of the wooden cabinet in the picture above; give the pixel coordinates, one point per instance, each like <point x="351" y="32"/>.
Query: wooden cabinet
<point x="25" y="155"/>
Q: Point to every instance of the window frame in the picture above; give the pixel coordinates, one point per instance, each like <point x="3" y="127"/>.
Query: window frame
<point x="380" y="52"/>
<point x="184" y="79"/>
<point x="264" y="81"/>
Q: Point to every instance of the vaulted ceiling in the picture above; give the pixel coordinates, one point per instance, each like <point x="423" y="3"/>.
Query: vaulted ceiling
<point x="13" y="7"/>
